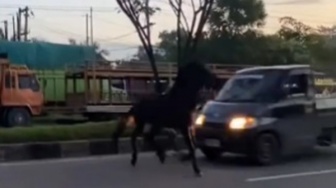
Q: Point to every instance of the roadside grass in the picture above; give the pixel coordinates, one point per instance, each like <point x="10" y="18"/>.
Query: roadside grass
<point x="40" y="133"/>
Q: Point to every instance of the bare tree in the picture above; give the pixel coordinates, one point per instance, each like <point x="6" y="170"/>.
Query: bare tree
<point x="194" y="30"/>
<point x="139" y="13"/>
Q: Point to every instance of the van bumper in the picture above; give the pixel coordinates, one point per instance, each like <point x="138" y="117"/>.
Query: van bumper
<point x="241" y="142"/>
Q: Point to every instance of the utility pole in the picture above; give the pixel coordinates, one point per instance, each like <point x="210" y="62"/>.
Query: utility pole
<point x="14" y="30"/>
<point x="26" y="15"/>
<point x="87" y="28"/>
<point x="18" y="23"/>
<point x="2" y="35"/>
<point x="6" y="29"/>
<point x="19" y="33"/>
<point x="91" y="25"/>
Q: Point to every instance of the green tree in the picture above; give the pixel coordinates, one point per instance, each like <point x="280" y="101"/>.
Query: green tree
<point x="231" y="32"/>
<point x="100" y="52"/>
<point x="141" y="55"/>
<point x="168" y="42"/>
<point x="317" y="41"/>
<point x="235" y="17"/>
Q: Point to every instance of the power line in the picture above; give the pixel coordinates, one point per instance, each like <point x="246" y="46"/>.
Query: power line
<point x="165" y="11"/>
<point x="99" y="8"/>
<point x="122" y="49"/>
<point x="63" y="8"/>
<point x="67" y="33"/>
<point x="58" y="30"/>
<point x="113" y="9"/>
<point x="62" y="32"/>
<point x="111" y="22"/>
<point x="120" y="36"/>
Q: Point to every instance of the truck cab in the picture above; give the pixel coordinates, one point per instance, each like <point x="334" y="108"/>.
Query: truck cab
<point x="21" y="94"/>
<point x="263" y="112"/>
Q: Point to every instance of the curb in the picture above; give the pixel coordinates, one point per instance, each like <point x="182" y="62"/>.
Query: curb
<point x="80" y="148"/>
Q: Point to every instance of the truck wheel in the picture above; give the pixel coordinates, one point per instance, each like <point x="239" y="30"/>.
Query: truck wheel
<point x="18" y="117"/>
<point x="3" y="120"/>
<point x="267" y="149"/>
<point x="211" y="154"/>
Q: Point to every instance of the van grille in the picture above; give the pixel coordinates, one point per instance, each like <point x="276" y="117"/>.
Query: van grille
<point x="215" y="125"/>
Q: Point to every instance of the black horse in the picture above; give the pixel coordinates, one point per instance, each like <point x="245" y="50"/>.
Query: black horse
<point x="171" y="110"/>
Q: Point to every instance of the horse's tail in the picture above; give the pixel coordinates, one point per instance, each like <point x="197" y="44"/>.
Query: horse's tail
<point x="123" y="122"/>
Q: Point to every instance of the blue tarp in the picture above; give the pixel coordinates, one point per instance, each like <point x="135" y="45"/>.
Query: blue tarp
<point x="44" y="55"/>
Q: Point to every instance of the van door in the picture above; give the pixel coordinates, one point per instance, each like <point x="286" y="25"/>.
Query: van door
<point x="296" y="112"/>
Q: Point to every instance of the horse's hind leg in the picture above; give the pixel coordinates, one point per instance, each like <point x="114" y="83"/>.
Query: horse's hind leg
<point x="121" y="126"/>
<point x="172" y="135"/>
<point x="137" y="130"/>
<point x="150" y="139"/>
<point x="191" y="147"/>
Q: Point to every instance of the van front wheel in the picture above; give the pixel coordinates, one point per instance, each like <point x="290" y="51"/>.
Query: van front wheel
<point x="267" y="149"/>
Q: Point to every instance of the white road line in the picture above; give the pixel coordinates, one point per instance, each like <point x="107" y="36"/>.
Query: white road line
<point x="286" y="176"/>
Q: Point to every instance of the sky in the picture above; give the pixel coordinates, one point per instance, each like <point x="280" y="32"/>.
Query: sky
<point x="57" y="21"/>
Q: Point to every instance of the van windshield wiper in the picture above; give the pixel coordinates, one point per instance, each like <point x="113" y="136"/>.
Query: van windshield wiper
<point x="237" y="100"/>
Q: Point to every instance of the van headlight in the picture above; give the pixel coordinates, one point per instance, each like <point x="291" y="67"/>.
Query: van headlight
<point x="242" y="123"/>
<point x="200" y="120"/>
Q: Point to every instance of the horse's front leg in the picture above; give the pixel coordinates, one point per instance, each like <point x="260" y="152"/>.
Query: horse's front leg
<point x="191" y="147"/>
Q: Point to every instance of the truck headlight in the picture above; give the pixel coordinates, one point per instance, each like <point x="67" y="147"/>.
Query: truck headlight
<point x="200" y="120"/>
<point x="241" y="123"/>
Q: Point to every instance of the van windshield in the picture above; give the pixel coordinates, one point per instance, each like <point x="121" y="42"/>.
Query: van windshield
<point x="254" y="87"/>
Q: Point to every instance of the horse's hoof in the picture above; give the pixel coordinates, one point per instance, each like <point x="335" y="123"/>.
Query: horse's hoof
<point x="185" y="157"/>
<point x="162" y="157"/>
<point x="198" y="174"/>
<point x="133" y="162"/>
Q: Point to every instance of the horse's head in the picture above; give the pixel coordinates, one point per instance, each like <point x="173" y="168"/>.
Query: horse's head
<point x="195" y="76"/>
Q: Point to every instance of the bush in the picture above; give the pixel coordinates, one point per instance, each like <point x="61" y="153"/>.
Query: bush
<point x="57" y="133"/>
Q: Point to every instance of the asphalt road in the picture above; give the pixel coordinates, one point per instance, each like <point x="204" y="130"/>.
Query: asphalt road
<point x="310" y="171"/>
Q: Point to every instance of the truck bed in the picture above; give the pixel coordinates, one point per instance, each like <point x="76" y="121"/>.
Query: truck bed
<point x="324" y="104"/>
<point x="326" y="109"/>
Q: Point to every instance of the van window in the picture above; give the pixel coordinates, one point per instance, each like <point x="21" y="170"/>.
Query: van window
<point x="28" y="82"/>
<point x="298" y="84"/>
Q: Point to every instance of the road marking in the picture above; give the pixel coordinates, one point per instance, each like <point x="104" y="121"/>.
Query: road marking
<point x="285" y="176"/>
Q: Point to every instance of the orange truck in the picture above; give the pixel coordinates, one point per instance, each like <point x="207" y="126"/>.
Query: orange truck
<point x="21" y="94"/>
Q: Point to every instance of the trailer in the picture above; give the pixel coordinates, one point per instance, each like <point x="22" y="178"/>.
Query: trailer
<point x="106" y="90"/>
<point x="269" y="112"/>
